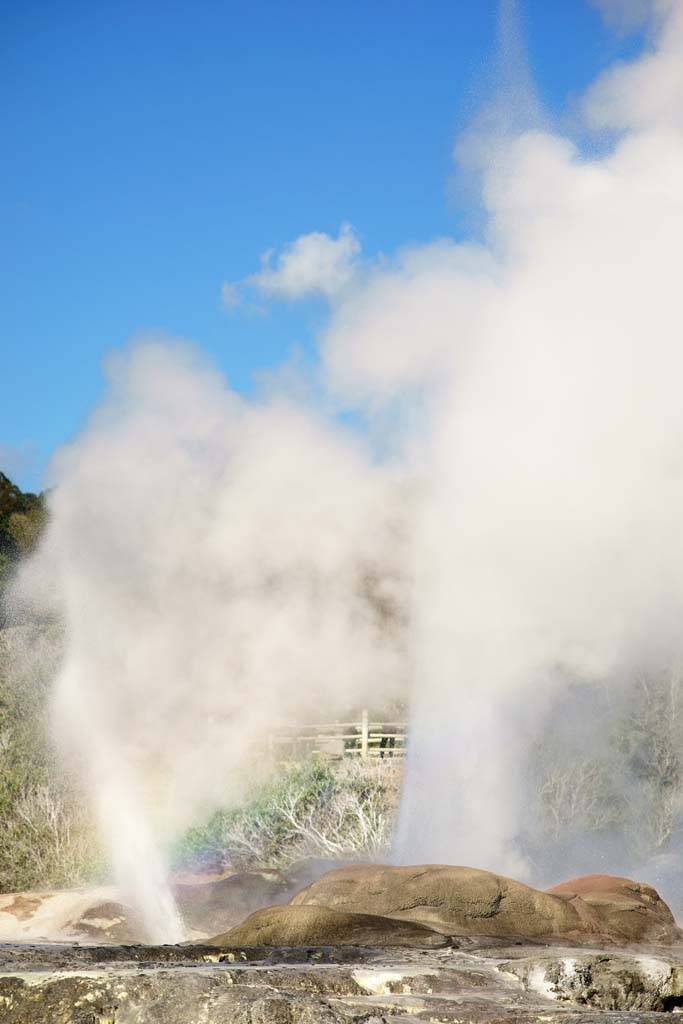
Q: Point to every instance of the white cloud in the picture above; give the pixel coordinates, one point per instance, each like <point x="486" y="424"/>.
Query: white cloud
<point x="648" y="91"/>
<point x="625" y="15"/>
<point x="312" y="264"/>
<point x="230" y="295"/>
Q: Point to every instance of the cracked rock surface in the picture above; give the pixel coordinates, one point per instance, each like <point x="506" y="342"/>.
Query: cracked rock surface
<point x="475" y="980"/>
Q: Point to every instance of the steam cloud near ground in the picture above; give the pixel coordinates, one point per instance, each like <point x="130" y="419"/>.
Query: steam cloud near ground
<point x="222" y="564"/>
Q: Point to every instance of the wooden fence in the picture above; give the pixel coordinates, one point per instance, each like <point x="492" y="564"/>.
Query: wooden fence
<point x="335" y="740"/>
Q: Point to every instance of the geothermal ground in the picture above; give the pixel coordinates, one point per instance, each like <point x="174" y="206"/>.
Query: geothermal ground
<point x="364" y="943"/>
<point x="469" y="981"/>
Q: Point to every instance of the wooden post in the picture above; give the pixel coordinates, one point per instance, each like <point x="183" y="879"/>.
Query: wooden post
<point x="364" y="734"/>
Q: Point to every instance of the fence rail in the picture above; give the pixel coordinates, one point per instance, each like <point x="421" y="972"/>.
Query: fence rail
<point x="336" y="740"/>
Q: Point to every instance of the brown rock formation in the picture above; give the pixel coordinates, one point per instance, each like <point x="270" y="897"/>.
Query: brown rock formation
<point x="213" y="905"/>
<point x="620" y="908"/>
<point x="320" y="926"/>
<point x="466" y="901"/>
<point x="454" y="900"/>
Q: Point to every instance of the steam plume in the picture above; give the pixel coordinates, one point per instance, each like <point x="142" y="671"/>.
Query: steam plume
<point x="214" y="558"/>
<point x="547" y="535"/>
<point x="220" y="567"/>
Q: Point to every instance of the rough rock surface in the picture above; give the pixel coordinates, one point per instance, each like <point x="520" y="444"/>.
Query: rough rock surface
<point x="97" y="915"/>
<point x="466" y="901"/>
<point x="209" y="907"/>
<point x="619" y="907"/>
<point x="605" y="981"/>
<point x="482" y="982"/>
<point x="83" y="915"/>
<point x="311" y="925"/>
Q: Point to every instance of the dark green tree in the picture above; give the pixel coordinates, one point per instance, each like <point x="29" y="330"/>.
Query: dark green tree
<point x="22" y="519"/>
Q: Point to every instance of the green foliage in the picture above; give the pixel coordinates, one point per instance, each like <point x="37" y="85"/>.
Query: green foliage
<point x="22" y="520"/>
<point x="262" y="811"/>
<point x="22" y="725"/>
<point x="6" y="564"/>
<point x="26" y="528"/>
<point x="47" y="839"/>
<point x="22" y="517"/>
<point x="24" y="761"/>
<point x="313" y="809"/>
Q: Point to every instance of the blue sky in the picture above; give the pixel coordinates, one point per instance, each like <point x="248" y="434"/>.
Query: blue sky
<point x="154" y="150"/>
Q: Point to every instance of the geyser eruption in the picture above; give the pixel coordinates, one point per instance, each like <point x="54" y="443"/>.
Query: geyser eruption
<point x="548" y="542"/>
<point x="221" y="565"/>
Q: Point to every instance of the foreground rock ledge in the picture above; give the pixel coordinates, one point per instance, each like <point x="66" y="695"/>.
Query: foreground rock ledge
<point x="480" y="980"/>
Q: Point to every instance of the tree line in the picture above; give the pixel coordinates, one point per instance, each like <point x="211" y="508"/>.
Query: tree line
<point x="22" y="518"/>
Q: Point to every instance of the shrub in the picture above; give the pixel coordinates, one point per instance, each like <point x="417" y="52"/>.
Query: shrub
<point x="314" y="809"/>
<point x="610" y="769"/>
<point x="47" y="837"/>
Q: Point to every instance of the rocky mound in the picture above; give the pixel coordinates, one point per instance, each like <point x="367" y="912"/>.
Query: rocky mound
<point x="83" y="915"/>
<point x="466" y="901"/>
<point x="620" y="908"/>
<point x="454" y="900"/>
<point x="210" y="906"/>
<point x="97" y="914"/>
<point x="320" y="926"/>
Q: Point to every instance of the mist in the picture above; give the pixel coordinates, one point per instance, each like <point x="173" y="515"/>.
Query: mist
<point x="220" y="568"/>
<point x="219" y="562"/>
<point x="547" y="538"/>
